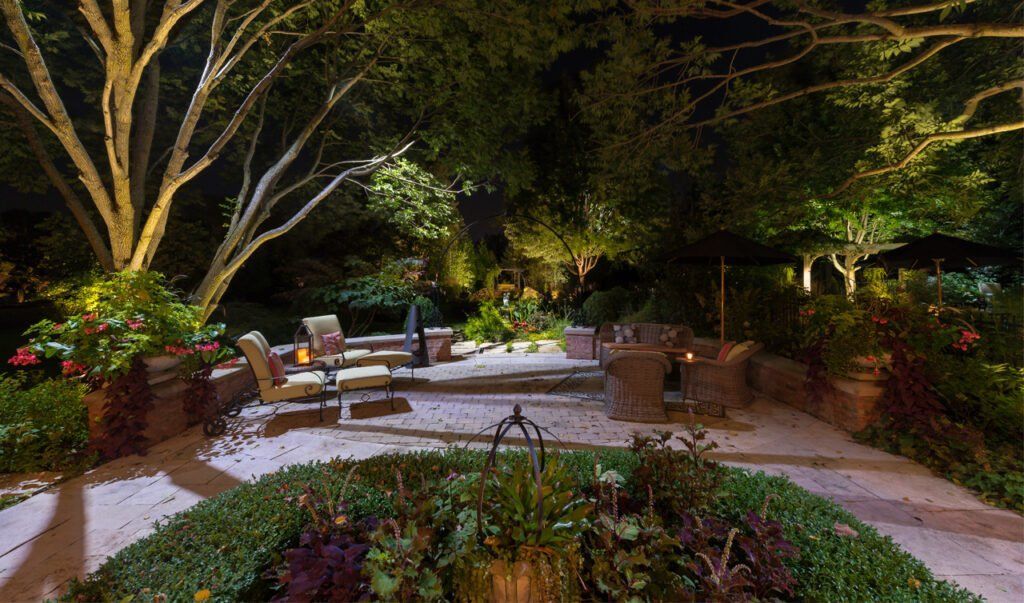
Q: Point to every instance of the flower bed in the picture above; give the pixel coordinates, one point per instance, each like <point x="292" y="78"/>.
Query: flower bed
<point x="273" y="533"/>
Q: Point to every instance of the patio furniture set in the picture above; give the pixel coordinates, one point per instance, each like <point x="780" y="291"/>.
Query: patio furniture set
<point x="636" y="357"/>
<point x="330" y="359"/>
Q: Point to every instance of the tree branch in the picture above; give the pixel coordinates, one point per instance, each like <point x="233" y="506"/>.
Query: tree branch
<point x="921" y="146"/>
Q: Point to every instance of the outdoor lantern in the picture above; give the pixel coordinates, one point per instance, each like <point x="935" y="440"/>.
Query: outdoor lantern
<point x="303" y="345"/>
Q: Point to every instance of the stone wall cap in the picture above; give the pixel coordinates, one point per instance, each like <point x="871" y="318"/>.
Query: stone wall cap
<point x="580" y="330"/>
<point x="435" y="333"/>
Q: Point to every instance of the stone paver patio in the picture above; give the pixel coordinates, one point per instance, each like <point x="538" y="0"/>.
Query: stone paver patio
<point x="70" y="529"/>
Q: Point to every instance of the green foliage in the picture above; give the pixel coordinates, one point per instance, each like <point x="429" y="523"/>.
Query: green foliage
<point x="386" y="293"/>
<point x="676" y="480"/>
<point x="488" y="325"/>
<point x="512" y="525"/>
<point x="417" y="206"/>
<point x="485" y="267"/>
<point x="606" y="306"/>
<point x="846" y="328"/>
<point x="43" y="427"/>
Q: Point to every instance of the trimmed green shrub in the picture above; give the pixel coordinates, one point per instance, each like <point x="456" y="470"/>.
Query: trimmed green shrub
<point x="606" y="306"/>
<point x="43" y="427"/>
<point x="224" y="544"/>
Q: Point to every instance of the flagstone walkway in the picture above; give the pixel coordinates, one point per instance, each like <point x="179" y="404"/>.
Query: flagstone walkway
<point x="70" y="529"/>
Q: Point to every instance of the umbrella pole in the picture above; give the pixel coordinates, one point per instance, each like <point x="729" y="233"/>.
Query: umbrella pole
<point x="938" y="278"/>
<point x="721" y="310"/>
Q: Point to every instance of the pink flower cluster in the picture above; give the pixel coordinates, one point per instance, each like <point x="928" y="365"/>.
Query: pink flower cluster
<point x="71" y="368"/>
<point x="178" y="350"/>
<point x="207" y="347"/>
<point x="134" y="325"/>
<point x="90" y="317"/>
<point x="967" y="338"/>
<point x="807" y="312"/>
<point x="23" y="357"/>
<point x="97" y="329"/>
<point x="880" y="320"/>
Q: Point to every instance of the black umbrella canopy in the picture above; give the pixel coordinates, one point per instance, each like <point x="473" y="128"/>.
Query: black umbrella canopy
<point x="953" y="252"/>
<point x="723" y="248"/>
<point x="734" y="248"/>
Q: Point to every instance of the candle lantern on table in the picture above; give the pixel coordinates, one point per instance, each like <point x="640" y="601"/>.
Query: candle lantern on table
<point x="303" y="346"/>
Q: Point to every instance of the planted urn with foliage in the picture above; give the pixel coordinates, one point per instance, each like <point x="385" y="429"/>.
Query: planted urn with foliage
<point x="124" y="332"/>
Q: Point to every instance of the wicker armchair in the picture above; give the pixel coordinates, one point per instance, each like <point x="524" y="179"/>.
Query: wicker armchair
<point x="634" y="387"/>
<point x="724" y="383"/>
<point x="645" y="332"/>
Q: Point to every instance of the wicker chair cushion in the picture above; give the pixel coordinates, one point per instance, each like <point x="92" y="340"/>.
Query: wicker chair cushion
<point x="724" y="352"/>
<point x="624" y="333"/>
<point x="736" y="350"/>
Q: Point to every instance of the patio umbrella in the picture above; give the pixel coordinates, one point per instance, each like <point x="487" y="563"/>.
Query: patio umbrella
<point x="726" y="247"/>
<point x="938" y="252"/>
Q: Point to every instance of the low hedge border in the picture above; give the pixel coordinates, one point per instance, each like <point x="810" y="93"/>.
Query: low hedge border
<point x="224" y="543"/>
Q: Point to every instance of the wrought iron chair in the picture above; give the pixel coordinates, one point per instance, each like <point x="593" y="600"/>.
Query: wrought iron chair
<point x="309" y="386"/>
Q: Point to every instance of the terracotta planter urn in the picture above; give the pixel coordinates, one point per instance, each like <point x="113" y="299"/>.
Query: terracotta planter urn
<point x="161" y="368"/>
<point x="513" y="583"/>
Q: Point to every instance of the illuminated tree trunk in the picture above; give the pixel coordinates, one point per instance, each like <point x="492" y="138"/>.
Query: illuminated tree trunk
<point x="136" y="219"/>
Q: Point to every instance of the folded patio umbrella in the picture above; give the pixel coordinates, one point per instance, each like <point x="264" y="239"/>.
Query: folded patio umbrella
<point x="937" y="252"/>
<point x="723" y="248"/>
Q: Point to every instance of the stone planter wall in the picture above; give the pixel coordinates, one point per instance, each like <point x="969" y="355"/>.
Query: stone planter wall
<point x="168" y="419"/>
<point x="581" y="343"/>
<point x="852" y="405"/>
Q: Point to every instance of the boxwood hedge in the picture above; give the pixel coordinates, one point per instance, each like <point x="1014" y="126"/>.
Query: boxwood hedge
<point x="224" y="544"/>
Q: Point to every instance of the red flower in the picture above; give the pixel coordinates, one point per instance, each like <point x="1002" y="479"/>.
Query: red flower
<point x="134" y="325"/>
<point x="70" y="368"/>
<point x="102" y="327"/>
<point x="89" y="317"/>
<point x="23" y="357"/>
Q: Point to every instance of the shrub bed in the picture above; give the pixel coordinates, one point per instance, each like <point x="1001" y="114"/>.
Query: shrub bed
<point x="226" y="544"/>
<point x="43" y="426"/>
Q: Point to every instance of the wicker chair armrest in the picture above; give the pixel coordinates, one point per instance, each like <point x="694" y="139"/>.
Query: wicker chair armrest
<point x="718" y="371"/>
<point x="637" y="356"/>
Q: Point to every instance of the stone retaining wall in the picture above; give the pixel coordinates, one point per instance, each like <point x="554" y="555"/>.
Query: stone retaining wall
<point x="439" y="343"/>
<point x="168" y="419"/>
<point x="851" y="405"/>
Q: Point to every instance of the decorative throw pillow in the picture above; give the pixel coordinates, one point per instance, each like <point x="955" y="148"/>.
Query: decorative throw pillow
<point x="736" y="350"/>
<point x="724" y="352"/>
<point x="669" y="336"/>
<point x="276" y="369"/>
<point x="333" y="343"/>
